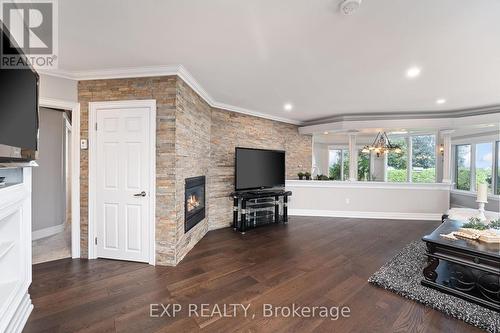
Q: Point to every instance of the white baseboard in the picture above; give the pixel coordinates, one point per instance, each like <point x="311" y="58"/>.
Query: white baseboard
<point x="20" y="318"/>
<point x="46" y="232"/>
<point x="366" y="215"/>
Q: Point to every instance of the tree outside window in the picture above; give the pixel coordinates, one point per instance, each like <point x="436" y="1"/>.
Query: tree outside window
<point x="498" y="168"/>
<point x="396" y="162"/>
<point x="424" y="159"/>
<point x="484" y="162"/>
<point x="335" y="164"/>
<point x="463" y="165"/>
<point x="345" y="158"/>
<point x="364" y="166"/>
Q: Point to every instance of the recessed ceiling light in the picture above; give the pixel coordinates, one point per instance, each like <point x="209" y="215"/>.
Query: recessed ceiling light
<point x="325" y="132"/>
<point x="288" y="107"/>
<point x="413" y="72"/>
<point x="440" y="101"/>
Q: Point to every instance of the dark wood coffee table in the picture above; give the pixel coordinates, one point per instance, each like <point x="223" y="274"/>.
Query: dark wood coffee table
<point x="464" y="268"/>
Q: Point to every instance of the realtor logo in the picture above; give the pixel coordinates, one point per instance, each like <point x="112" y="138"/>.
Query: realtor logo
<point x="30" y="34"/>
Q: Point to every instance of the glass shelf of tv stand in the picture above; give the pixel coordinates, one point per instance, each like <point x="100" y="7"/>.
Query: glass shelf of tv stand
<point x="260" y="202"/>
<point x="260" y="218"/>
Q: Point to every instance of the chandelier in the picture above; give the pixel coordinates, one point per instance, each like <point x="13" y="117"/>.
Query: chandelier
<point x="381" y="145"/>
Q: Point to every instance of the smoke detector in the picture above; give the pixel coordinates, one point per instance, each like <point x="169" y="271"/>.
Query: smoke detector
<point x="349" y="7"/>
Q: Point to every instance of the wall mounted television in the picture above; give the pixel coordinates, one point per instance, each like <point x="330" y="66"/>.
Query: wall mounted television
<point x="18" y="107"/>
<point x="259" y="168"/>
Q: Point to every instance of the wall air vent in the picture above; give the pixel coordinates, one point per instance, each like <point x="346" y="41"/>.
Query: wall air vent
<point x="349" y="7"/>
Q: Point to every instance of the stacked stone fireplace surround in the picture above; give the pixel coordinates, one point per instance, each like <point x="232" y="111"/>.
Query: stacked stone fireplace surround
<point x="192" y="139"/>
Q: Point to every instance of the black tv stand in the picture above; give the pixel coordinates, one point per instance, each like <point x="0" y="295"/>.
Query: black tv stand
<point x="259" y="207"/>
<point x="258" y="192"/>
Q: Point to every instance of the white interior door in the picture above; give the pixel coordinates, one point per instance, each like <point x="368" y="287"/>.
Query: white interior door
<point x="122" y="183"/>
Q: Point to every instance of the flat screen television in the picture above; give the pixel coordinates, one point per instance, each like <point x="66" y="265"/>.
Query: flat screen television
<point x="259" y="168"/>
<point x="18" y="107"/>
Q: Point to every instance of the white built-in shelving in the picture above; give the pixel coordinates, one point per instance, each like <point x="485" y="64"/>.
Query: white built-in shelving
<point x="5" y="247"/>
<point x="15" y="249"/>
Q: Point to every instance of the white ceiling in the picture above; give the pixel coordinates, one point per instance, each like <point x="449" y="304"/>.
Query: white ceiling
<point x="261" y="54"/>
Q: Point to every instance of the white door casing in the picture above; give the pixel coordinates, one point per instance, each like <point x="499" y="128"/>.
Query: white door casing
<point x="75" y="167"/>
<point x="121" y="184"/>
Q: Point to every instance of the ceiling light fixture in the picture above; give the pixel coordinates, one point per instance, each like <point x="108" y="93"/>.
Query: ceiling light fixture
<point x="413" y="72"/>
<point x="381" y="145"/>
<point x="440" y="101"/>
<point x="288" y="107"/>
<point x="349" y="7"/>
<point x="325" y="132"/>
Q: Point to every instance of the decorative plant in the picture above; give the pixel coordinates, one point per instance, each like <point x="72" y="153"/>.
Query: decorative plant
<point x="301" y="175"/>
<point x="322" y="177"/>
<point x="495" y="224"/>
<point x="308" y="175"/>
<point x="475" y="223"/>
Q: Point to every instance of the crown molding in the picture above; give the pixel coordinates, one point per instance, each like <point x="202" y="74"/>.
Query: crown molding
<point x="453" y="113"/>
<point x="237" y="109"/>
<point x="178" y="70"/>
<point x="113" y="73"/>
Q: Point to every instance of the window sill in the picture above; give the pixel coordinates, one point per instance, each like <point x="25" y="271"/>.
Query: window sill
<point x="365" y="185"/>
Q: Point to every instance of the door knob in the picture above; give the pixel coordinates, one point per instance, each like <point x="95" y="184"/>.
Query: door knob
<point x="142" y="194"/>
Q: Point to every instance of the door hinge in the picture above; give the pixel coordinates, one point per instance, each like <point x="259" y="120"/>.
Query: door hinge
<point x="96" y="241"/>
<point x="96" y="126"/>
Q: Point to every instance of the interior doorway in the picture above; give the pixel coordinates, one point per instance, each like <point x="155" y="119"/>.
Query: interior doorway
<point x="51" y="193"/>
<point x="74" y="165"/>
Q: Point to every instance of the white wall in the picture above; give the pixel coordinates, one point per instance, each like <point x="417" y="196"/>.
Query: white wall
<point x="48" y="178"/>
<point x="369" y="199"/>
<point x="58" y="88"/>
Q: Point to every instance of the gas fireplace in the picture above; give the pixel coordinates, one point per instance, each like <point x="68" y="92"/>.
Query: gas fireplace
<point x="194" y="202"/>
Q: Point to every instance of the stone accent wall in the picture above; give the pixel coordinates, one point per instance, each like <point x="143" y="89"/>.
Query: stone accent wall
<point x="192" y="139"/>
<point x="163" y="90"/>
<point x="231" y="130"/>
<point x="192" y="153"/>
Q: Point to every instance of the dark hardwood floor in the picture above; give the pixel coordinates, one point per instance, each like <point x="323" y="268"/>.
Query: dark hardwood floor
<point x="311" y="261"/>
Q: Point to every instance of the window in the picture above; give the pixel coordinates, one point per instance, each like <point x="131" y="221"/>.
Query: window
<point x="339" y="164"/>
<point x="335" y="164"/>
<point x="364" y="166"/>
<point x="484" y="163"/>
<point x="397" y="162"/>
<point x="462" y="167"/>
<point x="478" y="164"/>
<point x="498" y="168"/>
<point x="423" y="159"/>
<point x="345" y="158"/>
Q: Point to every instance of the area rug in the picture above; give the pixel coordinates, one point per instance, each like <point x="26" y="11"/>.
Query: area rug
<point x="402" y="275"/>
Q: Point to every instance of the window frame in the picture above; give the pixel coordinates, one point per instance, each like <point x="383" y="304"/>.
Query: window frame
<point x="455" y="165"/>
<point x="409" y="154"/>
<point x="496" y="166"/>
<point x="409" y="161"/>
<point x="495" y="174"/>
<point x="493" y="158"/>
<point x="341" y="149"/>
